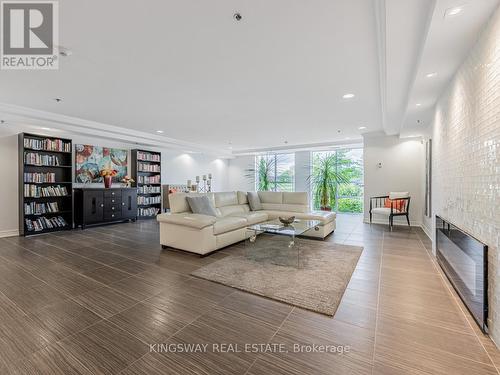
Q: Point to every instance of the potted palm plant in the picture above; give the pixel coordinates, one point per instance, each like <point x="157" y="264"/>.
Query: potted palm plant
<point x="325" y="179"/>
<point x="266" y="166"/>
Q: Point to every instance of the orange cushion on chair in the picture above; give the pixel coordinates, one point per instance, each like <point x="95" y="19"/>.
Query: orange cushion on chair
<point x="170" y="191"/>
<point x="398" y="204"/>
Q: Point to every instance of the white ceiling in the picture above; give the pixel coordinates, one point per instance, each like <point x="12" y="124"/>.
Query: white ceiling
<point x="189" y="69"/>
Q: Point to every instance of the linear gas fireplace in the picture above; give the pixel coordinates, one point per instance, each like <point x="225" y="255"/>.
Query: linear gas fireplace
<point x="464" y="260"/>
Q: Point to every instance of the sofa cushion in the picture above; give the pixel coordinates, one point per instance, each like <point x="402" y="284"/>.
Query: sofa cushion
<point x="228" y="224"/>
<point x="271" y="197"/>
<point x="178" y="202"/>
<point x="229" y="210"/>
<point x="252" y="217"/>
<point x="226" y="199"/>
<point x="324" y="217"/>
<point x="242" y="197"/>
<point x="285" y="207"/>
<point x="296" y="198"/>
<point x="187" y="219"/>
<point x="201" y="205"/>
<point x="254" y="201"/>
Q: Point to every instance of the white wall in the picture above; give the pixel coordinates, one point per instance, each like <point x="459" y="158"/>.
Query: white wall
<point x="401" y="171"/>
<point x="8" y="186"/>
<point x="466" y="155"/>
<point x="177" y="168"/>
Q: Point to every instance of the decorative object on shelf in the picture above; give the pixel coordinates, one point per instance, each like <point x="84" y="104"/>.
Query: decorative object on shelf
<point x="203" y="185"/>
<point x="45" y="188"/>
<point x="90" y="160"/>
<point x="286" y="221"/>
<point x="107" y="175"/>
<point x="127" y="181"/>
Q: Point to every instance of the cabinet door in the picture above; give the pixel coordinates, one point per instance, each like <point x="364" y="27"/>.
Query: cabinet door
<point x="129" y="204"/>
<point x="93" y="206"/>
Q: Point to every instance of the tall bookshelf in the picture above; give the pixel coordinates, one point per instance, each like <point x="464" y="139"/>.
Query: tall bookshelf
<point x="146" y="171"/>
<point x="45" y="184"/>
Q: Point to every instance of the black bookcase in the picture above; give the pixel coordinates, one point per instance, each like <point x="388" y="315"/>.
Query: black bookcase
<point x="45" y="184"/>
<point x="146" y="171"/>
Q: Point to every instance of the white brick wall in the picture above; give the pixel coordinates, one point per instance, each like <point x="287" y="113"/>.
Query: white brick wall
<point x="466" y="142"/>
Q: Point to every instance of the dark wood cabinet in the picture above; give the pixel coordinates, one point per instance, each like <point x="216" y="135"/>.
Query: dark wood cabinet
<point x="102" y="206"/>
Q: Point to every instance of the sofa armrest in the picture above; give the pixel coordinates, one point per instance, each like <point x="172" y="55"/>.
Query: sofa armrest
<point x="189" y="220"/>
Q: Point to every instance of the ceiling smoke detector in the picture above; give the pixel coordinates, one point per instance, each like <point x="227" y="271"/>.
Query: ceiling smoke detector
<point x="237" y="17"/>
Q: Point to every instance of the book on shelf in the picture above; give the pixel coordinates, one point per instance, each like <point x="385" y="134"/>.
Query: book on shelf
<point x="149" y="179"/>
<point x="146" y="212"/>
<point x="142" y="200"/>
<point x="40" y="177"/>
<point x="44" y="223"/>
<point x="149" y="190"/>
<point x="143" y="167"/>
<point x="47" y="144"/>
<point x="146" y="156"/>
<point x="33" y="208"/>
<point x="33" y="158"/>
<point x="34" y="191"/>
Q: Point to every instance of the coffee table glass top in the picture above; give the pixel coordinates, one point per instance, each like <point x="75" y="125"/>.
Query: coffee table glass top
<point x="297" y="228"/>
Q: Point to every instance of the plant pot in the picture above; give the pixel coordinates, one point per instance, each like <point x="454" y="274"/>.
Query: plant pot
<point x="325" y="208"/>
<point x="108" y="180"/>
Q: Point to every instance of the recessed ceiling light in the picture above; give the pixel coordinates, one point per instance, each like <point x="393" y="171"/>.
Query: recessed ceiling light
<point x="430" y="75"/>
<point x="362" y="128"/>
<point x="418" y="104"/>
<point x="237" y="16"/>
<point x="455" y="11"/>
<point x="348" y="96"/>
<point x="45" y="128"/>
<point x="159" y="131"/>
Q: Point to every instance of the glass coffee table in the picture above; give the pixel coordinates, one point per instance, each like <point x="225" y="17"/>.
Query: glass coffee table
<point x="276" y="243"/>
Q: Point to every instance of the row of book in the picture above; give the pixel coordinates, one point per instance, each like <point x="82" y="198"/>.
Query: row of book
<point x="149" y="179"/>
<point x="148" y="200"/>
<point x="151" y="211"/>
<point x="39" y="177"/>
<point x="34" y="191"/>
<point x="33" y="158"/>
<point x="34" y="208"/>
<point x="47" y="144"/>
<point x="144" y="156"/>
<point x="43" y="223"/>
<point x="149" y="190"/>
<point x="143" y="167"/>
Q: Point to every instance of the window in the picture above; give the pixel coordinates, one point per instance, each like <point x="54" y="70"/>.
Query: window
<point x="275" y="172"/>
<point x="337" y="180"/>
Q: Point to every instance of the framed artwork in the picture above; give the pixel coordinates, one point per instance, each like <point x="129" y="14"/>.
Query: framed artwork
<point x="428" y="178"/>
<point x="90" y="160"/>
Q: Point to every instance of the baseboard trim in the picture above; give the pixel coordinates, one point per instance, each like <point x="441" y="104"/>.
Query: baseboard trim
<point x="396" y="223"/>
<point x="426" y="231"/>
<point x="9" y="233"/>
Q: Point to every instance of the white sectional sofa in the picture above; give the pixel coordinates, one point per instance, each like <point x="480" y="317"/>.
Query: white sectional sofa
<point x="203" y="234"/>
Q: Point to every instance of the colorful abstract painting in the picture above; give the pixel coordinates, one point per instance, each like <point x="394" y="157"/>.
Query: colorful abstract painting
<point x="90" y="160"/>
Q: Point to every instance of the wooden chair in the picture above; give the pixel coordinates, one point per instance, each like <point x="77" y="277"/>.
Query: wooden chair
<point x="394" y="204"/>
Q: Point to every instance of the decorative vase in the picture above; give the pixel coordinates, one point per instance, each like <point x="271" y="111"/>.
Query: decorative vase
<point x="108" y="180"/>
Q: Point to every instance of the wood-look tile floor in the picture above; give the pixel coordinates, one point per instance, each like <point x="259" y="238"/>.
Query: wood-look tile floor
<point x="92" y="302"/>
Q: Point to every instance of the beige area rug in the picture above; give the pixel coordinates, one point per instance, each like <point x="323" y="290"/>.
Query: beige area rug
<point x="318" y="285"/>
